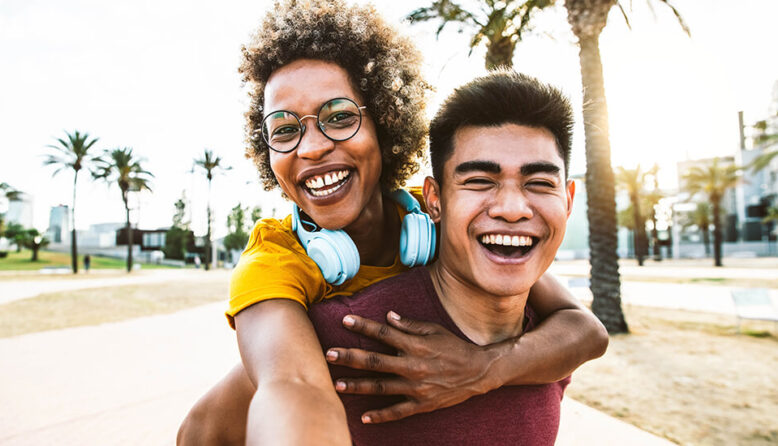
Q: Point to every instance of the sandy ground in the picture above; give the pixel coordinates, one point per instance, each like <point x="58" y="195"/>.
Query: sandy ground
<point x="688" y="377"/>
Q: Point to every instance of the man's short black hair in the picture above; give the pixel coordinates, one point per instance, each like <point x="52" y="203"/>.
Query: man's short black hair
<point x="501" y="97"/>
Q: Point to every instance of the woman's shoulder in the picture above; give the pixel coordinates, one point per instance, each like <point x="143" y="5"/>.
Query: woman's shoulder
<point x="272" y="231"/>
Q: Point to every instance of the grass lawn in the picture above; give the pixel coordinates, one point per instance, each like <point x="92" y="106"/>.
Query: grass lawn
<point x="94" y="306"/>
<point x="20" y="261"/>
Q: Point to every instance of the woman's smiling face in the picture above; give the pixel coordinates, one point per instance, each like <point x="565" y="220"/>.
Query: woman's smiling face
<point x="332" y="181"/>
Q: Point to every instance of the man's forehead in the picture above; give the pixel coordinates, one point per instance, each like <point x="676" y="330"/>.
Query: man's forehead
<point x="509" y="147"/>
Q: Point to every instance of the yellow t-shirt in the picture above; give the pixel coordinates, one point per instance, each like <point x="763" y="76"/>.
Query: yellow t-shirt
<point x="274" y="265"/>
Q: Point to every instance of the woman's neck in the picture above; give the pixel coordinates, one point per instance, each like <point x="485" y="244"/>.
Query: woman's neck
<point x="376" y="232"/>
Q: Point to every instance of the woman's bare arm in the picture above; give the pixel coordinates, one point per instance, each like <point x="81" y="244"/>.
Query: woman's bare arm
<point x="295" y="403"/>
<point x="437" y="369"/>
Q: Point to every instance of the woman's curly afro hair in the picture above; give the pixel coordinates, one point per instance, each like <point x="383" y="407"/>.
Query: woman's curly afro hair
<point x="381" y="64"/>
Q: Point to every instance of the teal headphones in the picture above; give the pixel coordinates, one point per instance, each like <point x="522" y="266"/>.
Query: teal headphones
<point x="337" y="256"/>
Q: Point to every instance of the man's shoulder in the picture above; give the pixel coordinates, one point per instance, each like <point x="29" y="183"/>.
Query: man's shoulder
<point x="406" y="293"/>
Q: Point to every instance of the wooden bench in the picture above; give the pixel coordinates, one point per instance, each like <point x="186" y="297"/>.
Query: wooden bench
<point x="754" y="304"/>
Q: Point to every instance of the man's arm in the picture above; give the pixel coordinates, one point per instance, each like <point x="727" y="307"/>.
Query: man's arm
<point x="295" y="403"/>
<point x="437" y="369"/>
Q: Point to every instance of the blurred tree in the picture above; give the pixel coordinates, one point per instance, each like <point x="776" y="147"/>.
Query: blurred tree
<point x="237" y="236"/>
<point x="712" y="180"/>
<point x="8" y="193"/>
<point x="700" y="217"/>
<point x="178" y="237"/>
<point x="768" y="139"/>
<point x="211" y="164"/>
<point x="16" y="233"/>
<point x="256" y="215"/>
<point x="71" y="153"/>
<point x="652" y="198"/>
<point x="501" y="23"/>
<point x="631" y="180"/>
<point x="34" y="241"/>
<point x="120" y="166"/>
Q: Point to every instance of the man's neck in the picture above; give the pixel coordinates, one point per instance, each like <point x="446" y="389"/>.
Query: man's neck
<point x="481" y="316"/>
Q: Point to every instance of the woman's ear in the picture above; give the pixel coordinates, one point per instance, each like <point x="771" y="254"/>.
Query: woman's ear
<point x="431" y="193"/>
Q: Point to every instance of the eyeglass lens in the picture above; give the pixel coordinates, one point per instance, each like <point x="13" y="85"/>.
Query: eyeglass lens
<point x="339" y="119"/>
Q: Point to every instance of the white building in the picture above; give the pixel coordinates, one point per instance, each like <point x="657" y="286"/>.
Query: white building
<point x="59" y="224"/>
<point x="20" y="211"/>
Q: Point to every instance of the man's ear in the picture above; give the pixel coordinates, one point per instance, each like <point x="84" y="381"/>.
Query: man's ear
<point x="570" y="193"/>
<point x="431" y="193"/>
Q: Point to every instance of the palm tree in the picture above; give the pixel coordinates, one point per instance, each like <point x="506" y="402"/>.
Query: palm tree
<point x="713" y="180"/>
<point x="632" y="180"/>
<point x="652" y="200"/>
<point x="7" y="192"/>
<point x="769" y="142"/>
<point x="211" y="164"/>
<point x="121" y="166"/>
<point x="587" y="19"/>
<point x="71" y="153"/>
<point x="700" y="217"/>
<point x="501" y="23"/>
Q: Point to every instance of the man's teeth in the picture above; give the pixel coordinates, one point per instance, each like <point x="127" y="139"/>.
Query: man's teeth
<point x="506" y="240"/>
<point x="319" y="181"/>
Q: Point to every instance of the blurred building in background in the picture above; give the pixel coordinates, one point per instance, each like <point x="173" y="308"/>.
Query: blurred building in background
<point x="59" y="224"/>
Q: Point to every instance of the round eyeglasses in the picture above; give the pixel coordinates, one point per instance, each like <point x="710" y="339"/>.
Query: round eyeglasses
<point x="338" y="119"/>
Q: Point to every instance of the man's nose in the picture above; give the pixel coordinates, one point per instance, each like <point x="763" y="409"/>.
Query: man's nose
<point x="313" y="143"/>
<point x="511" y="204"/>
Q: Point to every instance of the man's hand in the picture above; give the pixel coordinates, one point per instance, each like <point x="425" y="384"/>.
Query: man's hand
<point x="434" y="368"/>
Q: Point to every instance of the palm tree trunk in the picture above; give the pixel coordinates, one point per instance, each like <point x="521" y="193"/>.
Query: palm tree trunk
<point x="706" y="241"/>
<point x="129" y="233"/>
<point x="208" y="234"/>
<point x="640" y="231"/>
<point x="655" y="238"/>
<point x="499" y="53"/>
<point x="73" y="248"/>
<point x="717" y="238"/>
<point x="600" y="185"/>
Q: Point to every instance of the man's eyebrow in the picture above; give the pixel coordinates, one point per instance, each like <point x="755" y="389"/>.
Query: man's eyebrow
<point x="478" y="166"/>
<point x="539" y="167"/>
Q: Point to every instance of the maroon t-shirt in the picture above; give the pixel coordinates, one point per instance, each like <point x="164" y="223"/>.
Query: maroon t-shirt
<point x="510" y="415"/>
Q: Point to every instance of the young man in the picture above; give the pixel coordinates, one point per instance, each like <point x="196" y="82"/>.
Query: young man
<point x="500" y="148"/>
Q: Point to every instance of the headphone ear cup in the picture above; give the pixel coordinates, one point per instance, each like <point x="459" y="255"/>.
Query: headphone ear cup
<point x="335" y="254"/>
<point x="417" y="240"/>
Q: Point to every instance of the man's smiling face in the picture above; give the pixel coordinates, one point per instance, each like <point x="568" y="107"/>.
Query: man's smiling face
<point x="502" y="206"/>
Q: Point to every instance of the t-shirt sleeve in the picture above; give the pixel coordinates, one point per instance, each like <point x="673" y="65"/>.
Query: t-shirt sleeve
<point x="273" y="266"/>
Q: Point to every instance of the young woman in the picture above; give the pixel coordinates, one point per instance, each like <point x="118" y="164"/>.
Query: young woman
<point x="336" y="121"/>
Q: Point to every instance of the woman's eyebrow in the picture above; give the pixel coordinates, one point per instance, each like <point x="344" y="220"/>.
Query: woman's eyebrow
<point x="477" y="166"/>
<point x="539" y="167"/>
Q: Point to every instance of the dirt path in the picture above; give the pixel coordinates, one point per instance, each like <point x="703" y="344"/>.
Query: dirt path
<point x="687" y="377"/>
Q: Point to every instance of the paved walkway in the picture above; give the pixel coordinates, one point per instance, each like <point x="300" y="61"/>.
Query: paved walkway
<point x="11" y="290"/>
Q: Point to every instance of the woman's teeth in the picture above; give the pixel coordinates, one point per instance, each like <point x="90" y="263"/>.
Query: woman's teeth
<point x="506" y="240"/>
<point x="317" y="184"/>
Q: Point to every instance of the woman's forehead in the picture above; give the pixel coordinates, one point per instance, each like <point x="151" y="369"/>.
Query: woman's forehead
<point x="304" y="85"/>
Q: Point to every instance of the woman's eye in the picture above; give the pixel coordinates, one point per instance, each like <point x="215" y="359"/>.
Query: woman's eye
<point x="341" y="118"/>
<point x="286" y="131"/>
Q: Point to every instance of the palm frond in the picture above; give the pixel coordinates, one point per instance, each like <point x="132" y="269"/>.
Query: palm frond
<point x="678" y="16"/>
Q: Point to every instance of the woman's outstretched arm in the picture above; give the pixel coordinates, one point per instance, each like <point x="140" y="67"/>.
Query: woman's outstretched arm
<point x="295" y="403"/>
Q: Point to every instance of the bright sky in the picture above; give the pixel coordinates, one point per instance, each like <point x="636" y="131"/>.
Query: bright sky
<point x="160" y="76"/>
